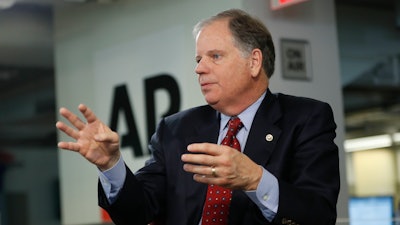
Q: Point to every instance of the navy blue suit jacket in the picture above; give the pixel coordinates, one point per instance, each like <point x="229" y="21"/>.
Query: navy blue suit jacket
<point x="302" y="155"/>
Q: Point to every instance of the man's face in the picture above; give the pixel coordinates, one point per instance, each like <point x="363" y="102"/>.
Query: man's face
<point x="223" y="71"/>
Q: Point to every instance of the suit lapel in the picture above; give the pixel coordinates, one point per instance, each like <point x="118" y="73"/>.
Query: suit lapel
<point x="260" y="144"/>
<point x="264" y="133"/>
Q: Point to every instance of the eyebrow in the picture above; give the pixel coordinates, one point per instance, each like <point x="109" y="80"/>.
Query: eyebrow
<point x="212" y="51"/>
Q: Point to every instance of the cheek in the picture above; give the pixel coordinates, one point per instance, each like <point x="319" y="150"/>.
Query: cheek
<point x="237" y="82"/>
<point x="233" y="75"/>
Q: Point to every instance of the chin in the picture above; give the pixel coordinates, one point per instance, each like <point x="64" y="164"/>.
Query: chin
<point x="211" y="102"/>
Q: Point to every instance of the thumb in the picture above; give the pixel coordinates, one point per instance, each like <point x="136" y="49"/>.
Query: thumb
<point x="107" y="137"/>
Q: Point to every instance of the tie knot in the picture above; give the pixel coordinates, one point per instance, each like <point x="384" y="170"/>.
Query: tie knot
<point x="234" y="125"/>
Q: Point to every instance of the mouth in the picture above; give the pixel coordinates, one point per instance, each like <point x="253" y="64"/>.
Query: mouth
<point x="204" y="84"/>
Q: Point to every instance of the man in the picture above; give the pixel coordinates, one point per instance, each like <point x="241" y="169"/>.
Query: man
<point x="285" y="172"/>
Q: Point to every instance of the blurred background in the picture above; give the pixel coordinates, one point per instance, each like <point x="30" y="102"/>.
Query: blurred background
<point x="368" y="35"/>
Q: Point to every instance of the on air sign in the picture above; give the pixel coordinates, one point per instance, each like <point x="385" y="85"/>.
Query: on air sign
<point x="278" y="4"/>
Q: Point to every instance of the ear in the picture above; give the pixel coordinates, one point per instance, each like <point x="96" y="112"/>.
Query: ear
<point x="256" y="62"/>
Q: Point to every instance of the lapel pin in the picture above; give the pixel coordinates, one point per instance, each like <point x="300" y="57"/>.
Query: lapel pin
<point x="269" y="137"/>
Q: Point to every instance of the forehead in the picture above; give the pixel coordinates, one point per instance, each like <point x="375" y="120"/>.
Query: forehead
<point x="216" y="33"/>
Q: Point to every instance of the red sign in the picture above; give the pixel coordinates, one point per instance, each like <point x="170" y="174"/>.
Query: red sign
<point x="278" y="4"/>
<point x="105" y="217"/>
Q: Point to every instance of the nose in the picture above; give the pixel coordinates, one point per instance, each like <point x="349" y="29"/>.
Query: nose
<point x="201" y="67"/>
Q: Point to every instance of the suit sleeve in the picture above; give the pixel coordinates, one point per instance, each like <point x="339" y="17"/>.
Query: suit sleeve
<point x="141" y="198"/>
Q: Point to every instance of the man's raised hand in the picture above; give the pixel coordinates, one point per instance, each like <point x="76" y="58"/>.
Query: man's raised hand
<point x="94" y="140"/>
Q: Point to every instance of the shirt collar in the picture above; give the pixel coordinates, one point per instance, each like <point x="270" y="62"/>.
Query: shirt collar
<point x="246" y="116"/>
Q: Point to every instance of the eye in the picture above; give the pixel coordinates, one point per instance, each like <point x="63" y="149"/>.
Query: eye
<point x="216" y="56"/>
<point x="197" y="59"/>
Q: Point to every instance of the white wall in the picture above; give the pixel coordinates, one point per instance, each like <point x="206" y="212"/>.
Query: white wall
<point x="99" y="35"/>
<point x="99" y="46"/>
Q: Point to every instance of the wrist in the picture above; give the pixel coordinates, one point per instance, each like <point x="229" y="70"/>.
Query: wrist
<point x="255" y="180"/>
<point x="113" y="160"/>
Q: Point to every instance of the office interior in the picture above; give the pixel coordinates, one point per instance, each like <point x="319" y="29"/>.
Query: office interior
<point x="367" y="46"/>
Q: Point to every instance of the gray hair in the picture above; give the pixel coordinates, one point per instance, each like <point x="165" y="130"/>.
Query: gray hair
<point x="248" y="33"/>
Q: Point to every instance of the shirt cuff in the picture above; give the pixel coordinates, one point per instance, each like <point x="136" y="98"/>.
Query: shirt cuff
<point x="266" y="196"/>
<point x="113" y="180"/>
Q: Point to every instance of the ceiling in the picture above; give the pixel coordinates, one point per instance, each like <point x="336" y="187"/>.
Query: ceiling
<point x="369" y="3"/>
<point x="27" y="97"/>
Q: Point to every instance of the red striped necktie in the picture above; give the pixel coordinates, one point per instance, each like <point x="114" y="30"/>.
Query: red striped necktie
<point x="218" y="199"/>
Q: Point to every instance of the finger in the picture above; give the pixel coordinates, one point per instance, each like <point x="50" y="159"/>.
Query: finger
<point x="211" y="180"/>
<point x="69" y="146"/>
<point x="67" y="130"/>
<point x="205" y="178"/>
<point x="72" y="118"/>
<point x="88" y="113"/>
<point x="199" y="159"/>
<point x="205" y="148"/>
<point x="199" y="169"/>
<point x="111" y="137"/>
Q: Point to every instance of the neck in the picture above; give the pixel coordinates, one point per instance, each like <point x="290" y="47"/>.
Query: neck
<point x="241" y="105"/>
